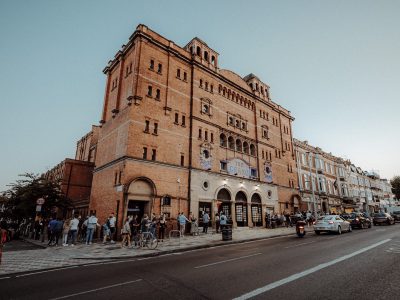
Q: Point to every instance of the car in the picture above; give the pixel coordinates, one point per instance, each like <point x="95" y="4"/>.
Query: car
<point x="396" y="215"/>
<point x="359" y="220"/>
<point x="331" y="223"/>
<point x="383" y="218"/>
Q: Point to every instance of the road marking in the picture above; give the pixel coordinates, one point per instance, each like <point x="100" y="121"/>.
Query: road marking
<point x="296" y="276"/>
<point x="299" y="245"/>
<point x="46" y="271"/>
<point x="228" y="260"/>
<point x="99" y="289"/>
<point x="5" y="278"/>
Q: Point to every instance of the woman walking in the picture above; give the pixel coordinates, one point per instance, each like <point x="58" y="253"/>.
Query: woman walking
<point x="126" y="234"/>
<point x="161" y="230"/>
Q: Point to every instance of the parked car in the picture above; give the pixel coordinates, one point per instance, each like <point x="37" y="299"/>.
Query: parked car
<point x="331" y="223"/>
<point x="396" y="215"/>
<point x="383" y="218"/>
<point x="359" y="220"/>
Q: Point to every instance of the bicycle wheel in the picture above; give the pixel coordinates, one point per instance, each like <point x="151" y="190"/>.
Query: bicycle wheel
<point x="151" y="243"/>
<point x="136" y="242"/>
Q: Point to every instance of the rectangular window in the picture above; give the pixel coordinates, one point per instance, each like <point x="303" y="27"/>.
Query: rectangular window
<point x="182" y="160"/>
<point x="144" y="152"/>
<point x="200" y="134"/>
<point x="206" y="135"/>
<point x="223" y="165"/>
<point x="178" y="73"/>
<point x="183" y="121"/>
<point x="176" y="118"/>
<point x="151" y="64"/>
<point x="153" y="154"/>
<point x="159" y="68"/>
<point x="184" y="76"/>
<point x="158" y="94"/>
<point x="149" y="91"/>
<point x="253" y="172"/>
<point x="146" y="128"/>
<point x="155" y="128"/>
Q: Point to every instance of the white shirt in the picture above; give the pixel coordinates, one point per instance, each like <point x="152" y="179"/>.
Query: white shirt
<point x="74" y="224"/>
<point x="112" y="222"/>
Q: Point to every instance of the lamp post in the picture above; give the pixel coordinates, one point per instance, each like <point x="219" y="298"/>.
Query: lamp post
<point x="311" y="181"/>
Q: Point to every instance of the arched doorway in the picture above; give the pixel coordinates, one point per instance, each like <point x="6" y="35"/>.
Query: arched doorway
<point x="241" y="209"/>
<point x="256" y="210"/>
<point x="140" y="196"/>
<point x="224" y="203"/>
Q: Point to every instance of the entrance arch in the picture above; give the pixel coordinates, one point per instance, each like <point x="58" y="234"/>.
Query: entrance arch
<point x="241" y="209"/>
<point x="256" y="209"/>
<point x="140" y="197"/>
<point x="224" y="203"/>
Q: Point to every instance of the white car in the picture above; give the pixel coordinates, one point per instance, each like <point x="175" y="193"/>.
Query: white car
<point x="331" y="223"/>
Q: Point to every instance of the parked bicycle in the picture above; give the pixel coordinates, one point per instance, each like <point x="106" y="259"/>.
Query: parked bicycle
<point x="145" y="239"/>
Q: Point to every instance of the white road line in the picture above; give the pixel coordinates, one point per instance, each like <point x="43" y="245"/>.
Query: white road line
<point x="299" y="245"/>
<point x="228" y="260"/>
<point x="46" y="271"/>
<point x="296" y="276"/>
<point x="5" y="278"/>
<point x="99" y="289"/>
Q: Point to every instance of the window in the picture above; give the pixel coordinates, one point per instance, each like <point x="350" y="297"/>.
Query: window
<point x="222" y="140"/>
<point x="166" y="201"/>
<point x="144" y="152"/>
<point x="252" y="150"/>
<point x="206" y="153"/>
<point x="253" y="172"/>
<point x="183" y="121"/>
<point x="184" y="76"/>
<point x="178" y="73"/>
<point x="246" y="147"/>
<point x="238" y="145"/>
<point x="211" y="89"/>
<point x="231" y="143"/>
<point x="146" y="128"/>
<point x="176" y="118"/>
<point x="244" y="126"/>
<point x="223" y="165"/>
<point x="238" y="123"/>
<point x="151" y="64"/>
<point x="265" y="132"/>
<point x="182" y="160"/>
<point x="153" y="154"/>
<point x="231" y="121"/>
<point x="206" y="109"/>
<point x="149" y="91"/>
<point x="212" y="137"/>
<point x="206" y="135"/>
<point x="159" y="68"/>
<point x="201" y="83"/>
<point x="158" y="94"/>
<point x="206" y="86"/>
<point x="200" y="135"/>
<point x="155" y="128"/>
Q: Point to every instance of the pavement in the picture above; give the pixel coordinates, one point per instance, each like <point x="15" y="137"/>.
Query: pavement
<point x="55" y="257"/>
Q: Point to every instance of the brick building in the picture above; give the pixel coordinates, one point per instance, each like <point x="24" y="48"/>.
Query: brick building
<point x="180" y="134"/>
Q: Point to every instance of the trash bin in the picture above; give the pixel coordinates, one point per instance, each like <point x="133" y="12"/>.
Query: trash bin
<point x="226" y="233"/>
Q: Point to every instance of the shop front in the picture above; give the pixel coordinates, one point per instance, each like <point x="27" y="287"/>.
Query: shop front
<point x="241" y="209"/>
<point x="256" y="210"/>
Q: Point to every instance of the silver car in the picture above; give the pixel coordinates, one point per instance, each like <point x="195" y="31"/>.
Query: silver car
<point x="331" y="223"/>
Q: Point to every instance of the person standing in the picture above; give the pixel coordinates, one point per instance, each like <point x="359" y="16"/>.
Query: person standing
<point x="73" y="229"/>
<point x="182" y="223"/>
<point x="163" y="225"/>
<point x="51" y="231"/>
<point x="223" y="220"/>
<point x="126" y="234"/>
<point x="144" y="223"/>
<point x="66" y="229"/>
<point x="91" y="227"/>
<point x="206" y="221"/>
<point x="153" y="225"/>
<point x="217" y="222"/>
<point x="106" y="231"/>
<point x="112" y="222"/>
<point x="58" y="229"/>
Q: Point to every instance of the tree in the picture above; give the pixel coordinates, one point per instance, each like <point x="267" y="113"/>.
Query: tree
<point x="395" y="182"/>
<point x="22" y="196"/>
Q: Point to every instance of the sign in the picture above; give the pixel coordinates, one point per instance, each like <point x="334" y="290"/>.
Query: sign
<point x="38" y="208"/>
<point x="268" y="172"/>
<point x="40" y="201"/>
<point x="238" y="167"/>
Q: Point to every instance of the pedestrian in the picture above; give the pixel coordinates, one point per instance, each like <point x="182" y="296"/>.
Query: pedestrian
<point x="73" y="229"/>
<point x="126" y="234"/>
<point x="182" y="223"/>
<point x="134" y="223"/>
<point x="3" y="236"/>
<point x="58" y="229"/>
<point x="112" y="221"/>
<point x="161" y="229"/>
<point x="223" y="220"/>
<point x="51" y="230"/>
<point x="189" y="224"/>
<point x="91" y="227"/>
<point x="206" y="221"/>
<point x="217" y="225"/>
<point x="153" y="225"/>
<point x="144" y="223"/>
<point x="106" y="231"/>
<point x="66" y="229"/>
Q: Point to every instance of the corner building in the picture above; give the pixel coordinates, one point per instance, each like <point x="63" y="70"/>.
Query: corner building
<point x="179" y="134"/>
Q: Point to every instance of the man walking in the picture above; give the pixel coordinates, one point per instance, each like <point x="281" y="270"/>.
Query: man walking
<point x="206" y="221"/>
<point x="91" y="227"/>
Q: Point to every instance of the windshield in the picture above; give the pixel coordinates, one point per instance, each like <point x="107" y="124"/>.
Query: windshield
<point x="325" y="218"/>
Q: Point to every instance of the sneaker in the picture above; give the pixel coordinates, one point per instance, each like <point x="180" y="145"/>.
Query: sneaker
<point x="112" y="242"/>
<point x="72" y="245"/>
<point x="90" y="243"/>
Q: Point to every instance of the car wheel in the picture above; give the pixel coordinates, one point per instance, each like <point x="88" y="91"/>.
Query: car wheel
<point x="317" y="232"/>
<point x="339" y="230"/>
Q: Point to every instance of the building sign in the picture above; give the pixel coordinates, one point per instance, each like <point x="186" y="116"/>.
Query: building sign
<point x="268" y="172"/>
<point x="238" y="167"/>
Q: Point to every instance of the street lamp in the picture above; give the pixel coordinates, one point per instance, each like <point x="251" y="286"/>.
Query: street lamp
<point x="311" y="182"/>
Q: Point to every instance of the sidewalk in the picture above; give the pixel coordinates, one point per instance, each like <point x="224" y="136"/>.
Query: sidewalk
<point x="54" y="257"/>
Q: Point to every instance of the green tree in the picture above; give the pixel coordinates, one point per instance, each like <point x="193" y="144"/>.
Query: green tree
<point x="395" y="182"/>
<point x="22" y="196"/>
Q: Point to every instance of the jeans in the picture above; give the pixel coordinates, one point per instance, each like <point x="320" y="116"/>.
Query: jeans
<point x="89" y="235"/>
<point x="73" y="236"/>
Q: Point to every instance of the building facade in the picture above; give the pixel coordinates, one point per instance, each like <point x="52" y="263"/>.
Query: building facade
<point x="179" y="134"/>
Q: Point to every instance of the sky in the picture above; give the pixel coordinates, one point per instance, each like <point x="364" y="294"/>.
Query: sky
<point x="334" y="64"/>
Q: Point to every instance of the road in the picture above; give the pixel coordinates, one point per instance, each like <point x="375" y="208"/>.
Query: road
<point x="363" y="264"/>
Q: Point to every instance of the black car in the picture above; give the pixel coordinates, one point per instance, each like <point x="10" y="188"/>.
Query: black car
<point x="383" y="218"/>
<point x="396" y="216"/>
<point x="359" y="220"/>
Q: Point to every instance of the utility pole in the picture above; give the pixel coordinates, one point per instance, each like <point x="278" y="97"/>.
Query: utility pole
<point x="312" y="185"/>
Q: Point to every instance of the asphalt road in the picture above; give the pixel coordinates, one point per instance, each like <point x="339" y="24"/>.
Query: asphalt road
<point x="364" y="264"/>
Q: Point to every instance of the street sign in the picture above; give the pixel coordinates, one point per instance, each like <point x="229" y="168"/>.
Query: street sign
<point x="38" y="208"/>
<point x="40" y="201"/>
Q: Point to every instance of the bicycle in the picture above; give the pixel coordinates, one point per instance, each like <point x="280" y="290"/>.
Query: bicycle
<point x="145" y="239"/>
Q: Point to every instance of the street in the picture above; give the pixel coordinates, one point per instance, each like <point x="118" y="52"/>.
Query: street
<point x="362" y="264"/>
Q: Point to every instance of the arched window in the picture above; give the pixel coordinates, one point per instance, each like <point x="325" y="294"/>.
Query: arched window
<point x="252" y="150"/>
<point x="246" y="147"/>
<point x="253" y="107"/>
<point x="198" y="51"/>
<point x="238" y="145"/>
<point x="251" y="85"/>
<point x="237" y="123"/>
<point x="223" y="194"/>
<point x="211" y="88"/>
<point x="201" y="82"/>
<point x="237" y="98"/>
<point x="213" y="59"/>
<point x="229" y="93"/>
<point x="206" y="55"/>
<point x="241" y="100"/>
<point x="222" y="140"/>
<point x="220" y="89"/>
<point x="231" y="143"/>
<point x="240" y="197"/>
<point x="206" y="153"/>
<point x="256" y="198"/>
<point x="224" y="91"/>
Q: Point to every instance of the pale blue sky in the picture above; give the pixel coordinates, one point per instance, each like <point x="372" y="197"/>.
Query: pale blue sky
<point x="334" y="64"/>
